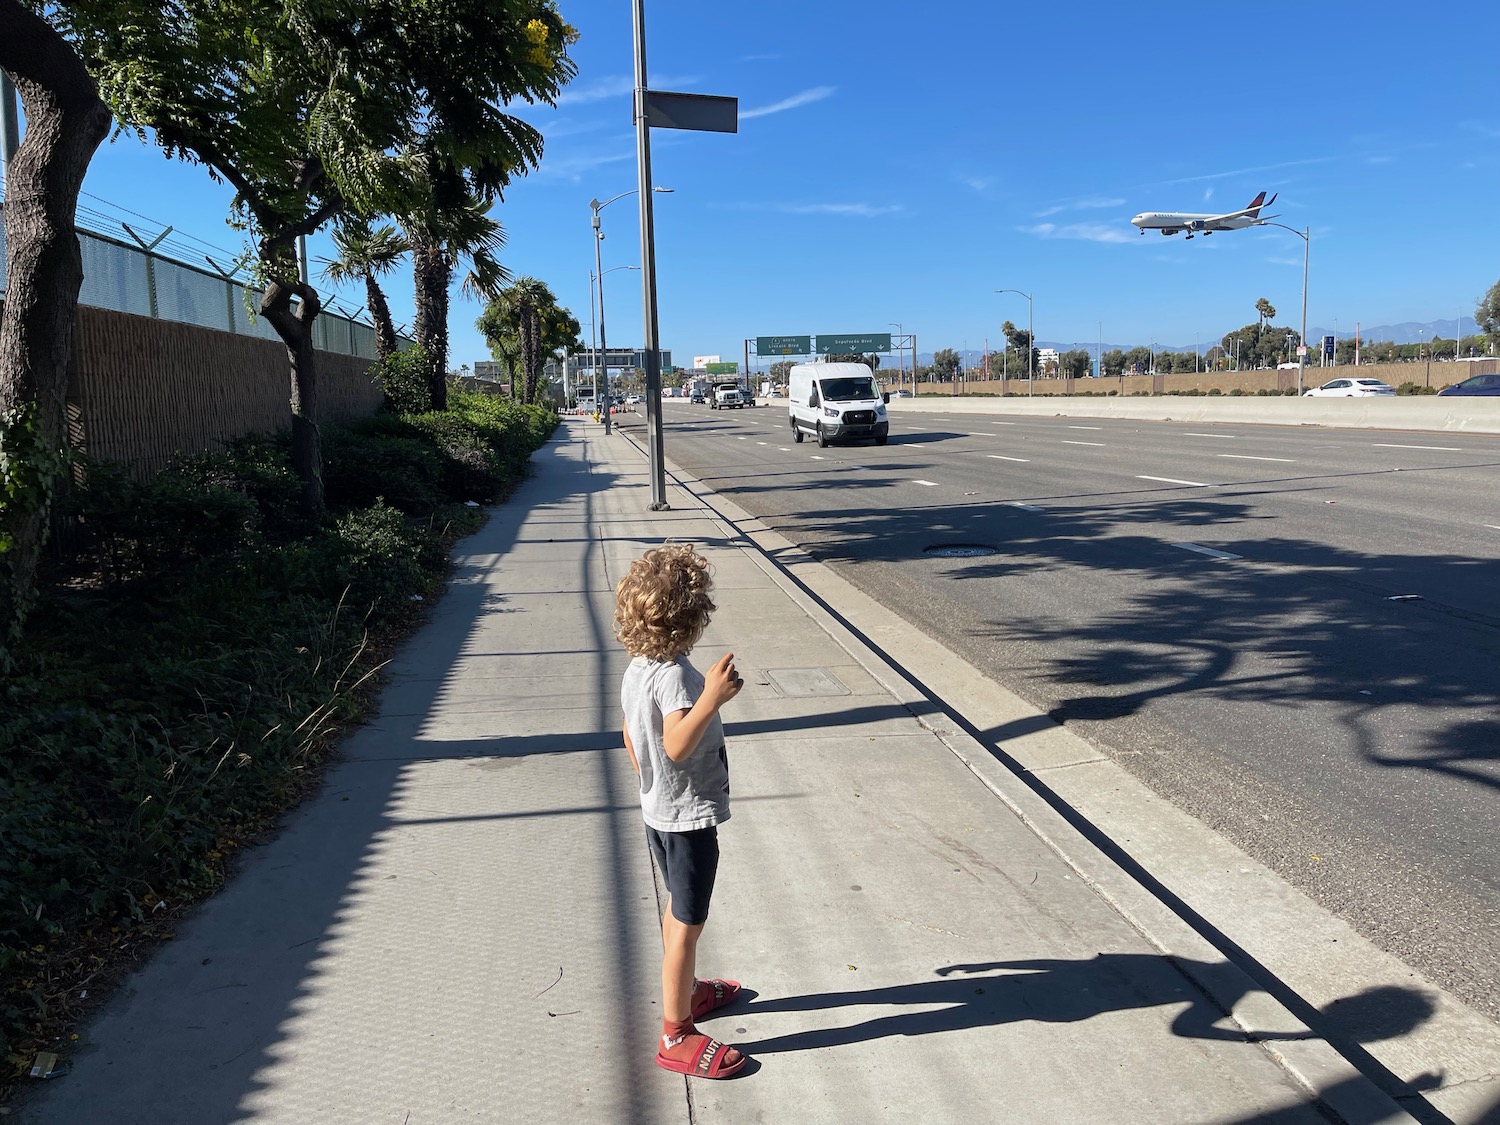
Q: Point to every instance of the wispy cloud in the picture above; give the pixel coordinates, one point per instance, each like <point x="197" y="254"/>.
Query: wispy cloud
<point x="1242" y="171"/>
<point x="1483" y="128"/>
<point x="573" y="167"/>
<point x="857" y="210"/>
<point x="759" y="58"/>
<point x="862" y="210"/>
<point x="602" y="89"/>
<point x="1285" y="261"/>
<point x="1087" y="232"/>
<point x="806" y="97"/>
<point x="1092" y="202"/>
<point x="978" y="183"/>
<point x="1379" y="158"/>
<point x="1208" y="193"/>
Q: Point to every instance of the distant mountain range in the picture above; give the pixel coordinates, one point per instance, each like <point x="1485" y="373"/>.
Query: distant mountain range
<point x="1408" y="332"/>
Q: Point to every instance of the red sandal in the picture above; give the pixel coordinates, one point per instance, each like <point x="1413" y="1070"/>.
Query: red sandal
<point x="707" y="1061"/>
<point x="721" y="992"/>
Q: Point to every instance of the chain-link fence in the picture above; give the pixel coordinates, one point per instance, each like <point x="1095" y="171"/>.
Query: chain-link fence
<point x="131" y="279"/>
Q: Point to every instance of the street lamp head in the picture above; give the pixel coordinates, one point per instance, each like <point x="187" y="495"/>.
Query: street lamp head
<point x="664" y="190"/>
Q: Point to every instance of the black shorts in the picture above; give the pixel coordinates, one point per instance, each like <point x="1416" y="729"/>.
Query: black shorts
<point x="688" y="862"/>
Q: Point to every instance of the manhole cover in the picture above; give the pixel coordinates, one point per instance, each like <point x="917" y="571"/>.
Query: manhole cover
<point x="805" y="681"/>
<point x="960" y="550"/>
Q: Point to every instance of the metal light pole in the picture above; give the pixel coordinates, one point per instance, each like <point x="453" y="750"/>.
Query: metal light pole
<point x="593" y="334"/>
<point x="651" y="345"/>
<point x="1306" y="236"/>
<point x="595" y="206"/>
<point x="1031" y="343"/>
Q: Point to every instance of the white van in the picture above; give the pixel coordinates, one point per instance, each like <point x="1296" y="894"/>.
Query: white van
<point x="832" y="401"/>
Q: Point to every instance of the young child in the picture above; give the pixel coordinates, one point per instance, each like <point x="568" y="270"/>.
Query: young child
<point x="676" y="743"/>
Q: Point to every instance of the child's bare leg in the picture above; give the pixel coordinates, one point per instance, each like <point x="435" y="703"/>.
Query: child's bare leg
<point x="678" y="964"/>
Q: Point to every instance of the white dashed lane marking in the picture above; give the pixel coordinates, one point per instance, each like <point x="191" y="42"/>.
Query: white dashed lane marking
<point x="999" y="457"/>
<point x="1209" y="551"/>
<point x="1436" y="448"/>
<point x="1025" y="507"/>
<point x="1211" y="435"/>
<point x="1085" y="427"/>
<point x="1100" y="444"/>
<point x="815" y="457"/>
<point x="1247" y="457"/>
<point x="928" y="483"/>
<point x="1174" y="480"/>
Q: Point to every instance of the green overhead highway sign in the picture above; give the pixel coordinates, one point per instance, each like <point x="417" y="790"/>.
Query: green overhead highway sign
<point x="722" y="368"/>
<point x="783" y="345"/>
<point x="869" y="342"/>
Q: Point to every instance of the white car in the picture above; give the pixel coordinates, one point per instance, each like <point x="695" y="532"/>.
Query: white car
<point x="1351" y="388"/>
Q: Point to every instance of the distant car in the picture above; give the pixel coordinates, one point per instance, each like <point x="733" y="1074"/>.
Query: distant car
<point x="1476" y="385"/>
<point x="901" y="394"/>
<point x="1351" y="388"/>
<point x="697" y="398"/>
<point x="632" y="400"/>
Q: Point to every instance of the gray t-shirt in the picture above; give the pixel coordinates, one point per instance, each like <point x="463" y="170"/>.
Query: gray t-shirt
<point x="675" y="796"/>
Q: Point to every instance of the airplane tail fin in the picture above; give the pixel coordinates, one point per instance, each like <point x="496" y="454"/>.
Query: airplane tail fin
<point x="1257" y="203"/>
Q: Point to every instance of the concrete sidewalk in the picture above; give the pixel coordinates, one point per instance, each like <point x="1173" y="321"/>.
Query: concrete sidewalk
<point x="462" y="925"/>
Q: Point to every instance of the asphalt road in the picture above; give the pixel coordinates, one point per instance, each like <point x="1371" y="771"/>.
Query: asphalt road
<point x="1279" y="694"/>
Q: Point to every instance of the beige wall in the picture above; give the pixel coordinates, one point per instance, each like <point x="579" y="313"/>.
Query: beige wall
<point x="1440" y="375"/>
<point x="141" y="390"/>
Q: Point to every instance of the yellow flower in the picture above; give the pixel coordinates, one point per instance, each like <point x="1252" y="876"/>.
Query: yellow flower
<point x="536" y="31"/>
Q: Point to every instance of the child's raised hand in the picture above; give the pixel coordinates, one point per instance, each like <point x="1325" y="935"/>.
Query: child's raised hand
<point x="722" y="682"/>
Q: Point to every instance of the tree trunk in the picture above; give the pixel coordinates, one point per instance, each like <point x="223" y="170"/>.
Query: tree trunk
<point x="530" y="327"/>
<point x="431" y="274"/>
<point x="380" y="313"/>
<point x="295" y="329"/>
<point x="65" y="122"/>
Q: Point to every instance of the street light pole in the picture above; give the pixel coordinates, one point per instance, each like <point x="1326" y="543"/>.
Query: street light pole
<point x="1031" y="342"/>
<point x="595" y="206"/>
<point x="1306" y="236"/>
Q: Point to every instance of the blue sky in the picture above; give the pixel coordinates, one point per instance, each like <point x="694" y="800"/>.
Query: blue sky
<point x="899" y="162"/>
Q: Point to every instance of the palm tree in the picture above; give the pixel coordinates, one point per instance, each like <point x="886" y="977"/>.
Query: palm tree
<point x="1267" y="313"/>
<point x="441" y="239"/>
<point x="519" y="307"/>
<point x="365" y="254"/>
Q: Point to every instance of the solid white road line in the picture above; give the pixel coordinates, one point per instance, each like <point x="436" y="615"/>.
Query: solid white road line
<point x="999" y="457"/>
<point x="1174" y="480"/>
<point x="1247" y="457"/>
<point x="1209" y="551"/>
<point x="1025" y="507"/>
<point x="1437" y="448"/>
<point x="1100" y="444"/>
<point x="928" y="483"/>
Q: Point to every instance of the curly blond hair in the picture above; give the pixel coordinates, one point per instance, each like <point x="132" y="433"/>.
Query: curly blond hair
<point x="662" y="606"/>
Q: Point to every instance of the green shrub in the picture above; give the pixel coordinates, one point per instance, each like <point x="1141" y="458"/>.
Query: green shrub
<point x="1410" y="388"/>
<point x="360" y="468"/>
<point x="160" y="525"/>
<point x="403" y="378"/>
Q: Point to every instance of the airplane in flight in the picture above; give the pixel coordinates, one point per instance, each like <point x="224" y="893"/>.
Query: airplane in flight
<point x="1174" y="222"/>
